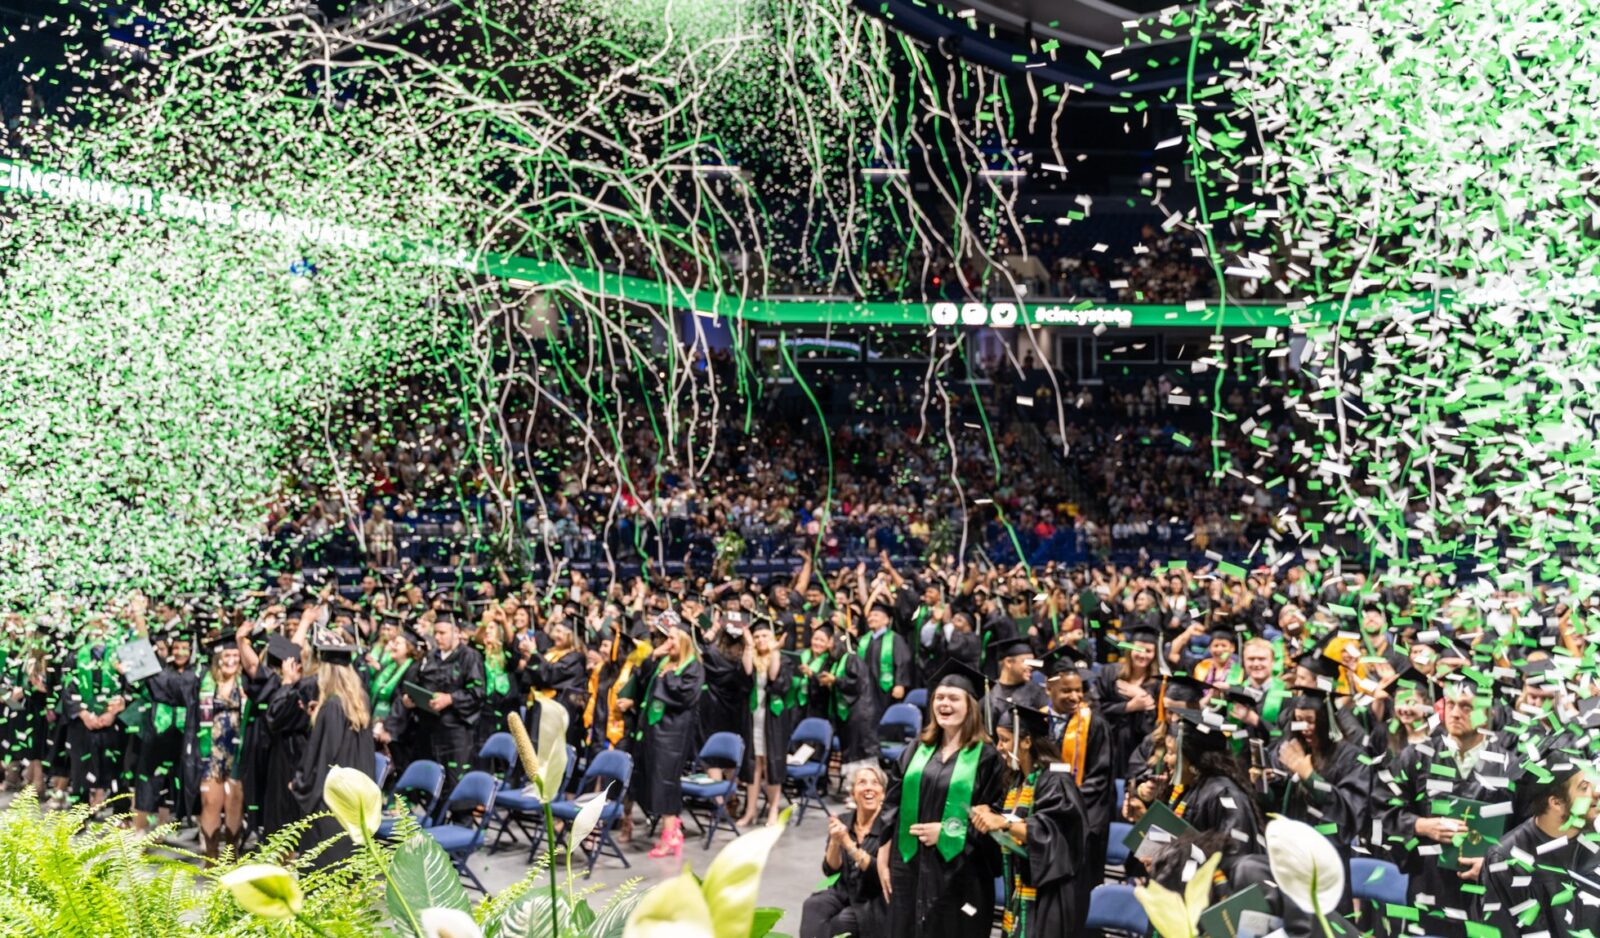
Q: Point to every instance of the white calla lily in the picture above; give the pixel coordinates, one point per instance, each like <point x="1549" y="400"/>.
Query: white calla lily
<point x="584" y="824"/>
<point x="355" y="800"/>
<point x="448" y="923"/>
<point x="1306" y="865"/>
<point x="674" y="909"/>
<point x="734" y="877"/>
<point x="552" y="749"/>
<point x="264" y="889"/>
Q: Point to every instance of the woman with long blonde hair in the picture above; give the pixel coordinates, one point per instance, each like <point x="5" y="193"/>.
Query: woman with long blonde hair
<point x="672" y="678"/>
<point x="340" y="736"/>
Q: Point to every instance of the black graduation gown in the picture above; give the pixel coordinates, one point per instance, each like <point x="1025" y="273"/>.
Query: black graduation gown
<point x="1128" y="729"/>
<point x="858" y="736"/>
<point x="853" y="890"/>
<point x="287" y="726"/>
<point x="811" y="699"/>
<point x="1057" y="844"/>
<point x="1416" y="785"/>
<point x="725" y="705"/>
<point x="1510" y="885"/>
<point x="872" y="664"/>
<point x="333" y="742"/>
<point x="1339" y="795"/>
<point x="175" y="751"/>
<point x="611" y="674"/>
<point x="777" y="720"/>
<point x="1099" y="790"/>
<point x="930" y="896"/>
<point x="1217" y="803"/>
<point x="569" y="678"/>
<point x="255" y="747"/>
<point x="451" y="732"/>
<point x="405" y="742"/>
<point x="667" y="746"/>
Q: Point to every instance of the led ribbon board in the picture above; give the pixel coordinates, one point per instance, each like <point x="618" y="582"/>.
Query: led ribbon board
<point x="29" y="181"/>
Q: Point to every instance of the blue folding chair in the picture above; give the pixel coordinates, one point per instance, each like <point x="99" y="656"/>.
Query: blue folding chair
<point x="1113" y="908"/>
<point x="420" y="785"/>
<point x="896" y="728"/>
<point x="498" y="755"/>
<point x="816" y="733"/>
<point x="608" y="773"/>
<point x="473" y="795"/>
<point x="380" y="768"/>
<point x="723" y="751"/>
<point x="523" y="809"/>
<point x="1374" y="880"/>
<point x="918" y="697"/>
<point x="1116" y="852"/>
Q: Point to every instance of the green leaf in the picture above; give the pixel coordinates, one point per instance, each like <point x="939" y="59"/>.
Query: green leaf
<point x="529" y="917"/>
<point x="422" y="874"/>
<point x="764" y="920"/>
<point x="582" y="916"/>
<point x="614" y="917"/>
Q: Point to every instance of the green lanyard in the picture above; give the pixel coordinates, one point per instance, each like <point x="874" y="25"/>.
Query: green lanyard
<point x="957" y="802"/>
<point x="885" y="659"/>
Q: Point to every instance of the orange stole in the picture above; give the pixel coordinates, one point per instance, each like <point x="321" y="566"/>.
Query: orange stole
<point x="1075" y="742"/>
<point x="614" y="729"/>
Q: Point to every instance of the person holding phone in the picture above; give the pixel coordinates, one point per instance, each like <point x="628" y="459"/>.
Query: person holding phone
<point x="672" y="678"/>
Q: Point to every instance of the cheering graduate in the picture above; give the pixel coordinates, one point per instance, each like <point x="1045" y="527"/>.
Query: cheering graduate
<point x="453" y="676"/>
<point x="822" y="674"/>
<point x="1324" y="781"/>
<point x="725" y="705"/>
<point x="90" y="704"/>
<point x="1209" y="790"/>
<point x="1043" y="829"/>
<point x="672" y="679"/>
<point x="940" y="871"/>
<point x="886" y="658"/>
<point x="609" y="715"/>
<point x="1014" y="684"/>
<point x="221" y="723"/>
<point x="1128" y="693"/>
<point x="401" y="663"/>
<point x="770" y="693"/>
<point x="1085" y="747"/>
<point x="341" y="735"/>
<point x="562" y="674"/>
<point x="163" y="774"/>
<point x="852" y="902"/>
<point x="1437" y="786"/>
<point x="1539" y="880"/>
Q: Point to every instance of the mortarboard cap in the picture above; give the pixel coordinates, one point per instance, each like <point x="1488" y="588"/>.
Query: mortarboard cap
<point x="1204" y="731"/>
<point x="956" y="674"/>
<point x="333" y="646"/>
<point x="1064" y="659"/>
<point x="1184" y="689"/>
<point x="1032" y="722"/>
<point x="280" y="648"/>
<point x="1011" y="647"/>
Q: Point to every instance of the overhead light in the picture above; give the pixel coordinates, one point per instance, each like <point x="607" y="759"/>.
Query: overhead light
<point x="708" y="169"/>
<point x="884" y="172"/>
<point x="1002" y="173"/>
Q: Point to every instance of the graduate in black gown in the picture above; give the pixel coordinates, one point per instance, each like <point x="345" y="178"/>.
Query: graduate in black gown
<point x="725" y="705"/>
<point x="1129" y="693"/>
<point x="1047" y="893"/>
<point x="1084" y="743"/>
<point x="286" y="727"/>
<point x="885" y="661"/>
<point x="671" y="681"/>
<point x="453" y="673"/>
<point x="261" y="675"/>
<point x="771" y="700"/>
<point x="341" y="735"/>
<point x="939" y="869"/>
<point x="562" y="674"/>
<point x="1210" y="791"/>
<point x="1015" y="682"/>
<point x="851" y="900"/>
<point x="1465" y="762"/>
<point x="1323" y="781"/>
<point x="1527" y="875"/>
<point x="820" y="672"/>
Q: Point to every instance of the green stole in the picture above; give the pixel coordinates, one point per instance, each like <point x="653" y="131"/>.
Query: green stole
<point x="383" y="687"/>
<point x="1272" y="704"/>
<point x="499" y="682"/>
<point x="656" y="709"/>
<point x="775" y="700"/>
<point x="885" y="659"/>
<point x="957" y="802"/>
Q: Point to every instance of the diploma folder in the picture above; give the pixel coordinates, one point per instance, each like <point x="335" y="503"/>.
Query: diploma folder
<point x="1482" y="832"/>
<point x="1245" y="914"/>
<point x="139" y="662"/>
<point x="1157" y="828"/>
<point x="420" y="696"/>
